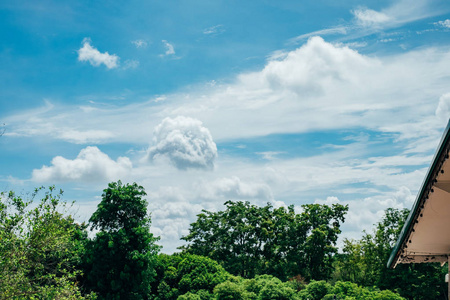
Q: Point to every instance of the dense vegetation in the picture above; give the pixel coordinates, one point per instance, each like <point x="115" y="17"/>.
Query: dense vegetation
<point x="242" y="252"/>
<point x="249" y="240"/>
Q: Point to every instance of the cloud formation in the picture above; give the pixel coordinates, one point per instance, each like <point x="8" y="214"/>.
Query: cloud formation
<point x="169" y="48"/>
<point x="311" y="68"/>
<point x="443" y="108"/>
<point x="139" y="43"/>
<point x="369" y="18"/>
<point x="185" y="143"/>
<point x="233" y="188"/>
<point x="91" y="165"/>
<point x="328" y="31"/>
<point x="131" y="64"/>
<point x="214" y="30"/>
<point x="317" y="86"/>
<point x="445" y="24"/>
<point x="95" y="57"/>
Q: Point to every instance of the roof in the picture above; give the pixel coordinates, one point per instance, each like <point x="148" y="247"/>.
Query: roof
<point x="425" y="237"/>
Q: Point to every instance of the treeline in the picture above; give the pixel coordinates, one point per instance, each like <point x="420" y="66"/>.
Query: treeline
<point x="242" y="252"/>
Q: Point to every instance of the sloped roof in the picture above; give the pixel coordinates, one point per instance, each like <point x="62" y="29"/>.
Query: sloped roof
<point x="425" y="237"/>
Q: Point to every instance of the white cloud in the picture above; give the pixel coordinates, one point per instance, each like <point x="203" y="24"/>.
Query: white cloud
<point x="329" y="201"/>
<point x="169" y="48"/>
<point x="310" y="68"/>
<point x="443" y="108"/>
<point x="139" y="43"/>
<point x="269" y="155"/>
<point x="369" y="18"/>
<point x="214" y="30"/>
<point x="328" y="31"/>
<point x="83" y="137"/>
<point x="95" y="57"/>
<point x="185" y="143"/>
<point x="445" y="24"/>
<point x="233" y="188"/>
<point x="317" y="86"/>
<point x="91" y="165"/>
<point x="131" y="64"/>
<point x="352" y="44"/>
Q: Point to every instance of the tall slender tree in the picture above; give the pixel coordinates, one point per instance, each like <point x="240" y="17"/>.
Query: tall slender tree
<point x="120" y="259"/>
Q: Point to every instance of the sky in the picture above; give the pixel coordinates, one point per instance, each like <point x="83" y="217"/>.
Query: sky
<point x="200" y="102"/>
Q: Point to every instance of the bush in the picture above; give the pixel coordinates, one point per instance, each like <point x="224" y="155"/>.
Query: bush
<point x="40" y="247"/>
<point x="230" y="291"/>
<point x="316" y="290"/>
<point x="198" y="295"/>
<point x="277" y="291"/>
<point x="179" y="274"/>
<point x="189" y="296"/>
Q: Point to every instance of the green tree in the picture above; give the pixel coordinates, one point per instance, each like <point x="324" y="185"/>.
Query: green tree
<point x="40" y="247"/>
<point x="120" y="260"/>
<point x="249" y="240"/>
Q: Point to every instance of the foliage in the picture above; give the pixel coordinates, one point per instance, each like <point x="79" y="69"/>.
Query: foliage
<point x="179" y="274"/>
<point x="197" y="295"/>
<point x="364" y="262"/>
<point x="230" y="291"/>
<point x="262" y="287"/>
<point x="317" y="290"/>
<point x="249" y="240"/>
<point x="40" y="247"/>
<point x="119" y="260"/>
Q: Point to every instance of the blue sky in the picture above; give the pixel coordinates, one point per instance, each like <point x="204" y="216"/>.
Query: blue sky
<point x="207" y="101"/>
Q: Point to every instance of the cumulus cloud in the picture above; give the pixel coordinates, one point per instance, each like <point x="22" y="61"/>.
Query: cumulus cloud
<point x="310" y="68"/>
<point x="95" y="57"/>
<point x="443" y="108"/>
<point x="368" y="17"/>
<point x="90" y="165"/>
<point x="185" y="142"/>
<point x="170" y="50"/>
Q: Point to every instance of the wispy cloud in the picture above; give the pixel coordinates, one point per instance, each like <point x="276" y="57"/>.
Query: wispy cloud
<point x="170" y="50"/>
<point x="366" y="21"/>
<point x="214" y="30"/>
<point x="95" y="57"/>
<point x="445" y="24"/>
<point x="269" y="155"/>
<point x="397" y="14"/>
<point x="370" y="18"/>
<point x="139" y="43"/>
<point x="323" y="32"/>
<point x="131" y="64"/>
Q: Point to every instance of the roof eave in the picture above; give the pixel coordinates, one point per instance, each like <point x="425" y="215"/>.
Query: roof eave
<point x="427" y="184"/>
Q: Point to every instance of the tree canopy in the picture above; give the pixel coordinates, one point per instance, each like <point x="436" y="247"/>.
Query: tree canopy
<point x="41" y="247"/>
<point x="119" y="261"/>
<point x="275" y="252"/>
<point x="249" y="240"/>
